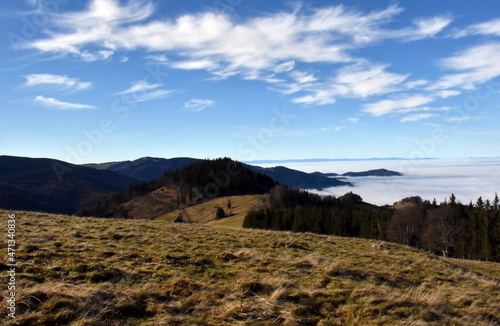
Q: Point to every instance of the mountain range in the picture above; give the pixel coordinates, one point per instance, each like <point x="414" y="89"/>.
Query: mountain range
<point x="48" y="185"/>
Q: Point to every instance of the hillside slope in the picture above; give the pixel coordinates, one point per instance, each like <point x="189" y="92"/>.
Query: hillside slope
<point x="205" y="212"/>
<point x="54" y="186"/>
<point x="86" y="271"/>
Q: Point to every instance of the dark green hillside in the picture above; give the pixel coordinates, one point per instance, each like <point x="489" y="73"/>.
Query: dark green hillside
<point x="188" y="185"/>
<point x="54" y="186"/>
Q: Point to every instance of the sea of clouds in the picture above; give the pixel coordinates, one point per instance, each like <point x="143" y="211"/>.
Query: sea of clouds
<point x="468" y="178"/>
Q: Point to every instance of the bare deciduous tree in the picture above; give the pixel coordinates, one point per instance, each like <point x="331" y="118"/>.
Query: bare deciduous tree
<point x="405" y="225"/>
<point x="442" y="229"/>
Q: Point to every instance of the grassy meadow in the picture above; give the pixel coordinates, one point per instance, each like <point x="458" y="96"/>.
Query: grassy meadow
<point x="88" y="271"/>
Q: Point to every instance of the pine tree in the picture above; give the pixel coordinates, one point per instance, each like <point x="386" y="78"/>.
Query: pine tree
<point x="219" y="214"/>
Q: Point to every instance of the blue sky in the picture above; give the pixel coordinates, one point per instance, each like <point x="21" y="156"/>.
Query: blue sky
<point x="109" y="80"/>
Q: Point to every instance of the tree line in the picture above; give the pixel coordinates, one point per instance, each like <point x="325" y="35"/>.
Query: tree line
<point x="450" y="228"/>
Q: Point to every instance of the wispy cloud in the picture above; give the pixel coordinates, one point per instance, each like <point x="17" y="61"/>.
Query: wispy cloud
<point x="476" y="65"/>
<point x="198" y="104"/>
<point x="142" y="91"/>
<point x="96" y="25"/>
<point x="491" y="27"/>
<point x="362" y="80"/>
<point x="418" y="116"/>
<point x="62" y="82"/>
<point x="149" y="96"/>
<point x="390" y="106"/>
<point x="139" y="86"/>
<point x="353" y="81"/>
<point x="60" y="105"/>
<point x="459" y="118"/>
<point x="157" y="57"/>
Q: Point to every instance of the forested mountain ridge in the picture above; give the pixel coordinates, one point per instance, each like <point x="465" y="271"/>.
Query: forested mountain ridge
<point x="40" y="184"/>
<point x="152" y="168"/>
<point x="188" y="185"/>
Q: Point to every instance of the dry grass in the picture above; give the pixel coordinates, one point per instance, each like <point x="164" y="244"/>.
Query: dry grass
<point x="205" y="212"/>
<point x="84" y="271"/>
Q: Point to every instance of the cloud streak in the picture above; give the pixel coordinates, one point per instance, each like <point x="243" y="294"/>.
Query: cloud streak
<point x="142" y="91"/>
<point x="62" y="82"/>
<point x="60" y="105"/>
<point x="491" y="27"/>
<point x="198" y="105"/>
<point x="393" y="106"/>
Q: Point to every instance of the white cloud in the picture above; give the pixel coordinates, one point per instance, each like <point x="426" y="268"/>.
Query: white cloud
<point x="362" y="80"/>
<point x="142" y="91"/>
<point x="416" y="117"/>
<point x="62" y="82"/>
<point x="158" y="57"/>
<point x="96" y="25"/>
<point x="491" y="27"/>
<point x="416" y="83"/>
<point x="390" y="106"/>
<point x="195" y="64"/>
<point x="355" y="81"/>
<point x="213" y="41"/>
<point x="139" y="86"/>
<point x="60" y="105"/>
<point x="422" y="28"/>
<point x="447" y="93"/>
<point x="320" y="97"/>
<point x="476" y="65"/>
<point x="425" y="108"/>
<point x="285" y="66"/>
<point x="302" y="77"/>
<point x="459" y="118"/>
<point x="198" y="105"/>
<point x="153" y="95"/>
<point x="353" y="120"/>
<point x="270" y="48"/>
<point x="429" y="27"/>
<point x="99" y="55"/>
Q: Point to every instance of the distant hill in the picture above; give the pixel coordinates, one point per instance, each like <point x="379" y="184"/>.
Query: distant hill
<point x="299" y="179"/>
<point x="194" y="183"/>
<point x="369" y="173"/>
<point x="373" y="173"/>
<point x="39" y="184"/>
<point x="145" y="168"/>
<point x="152" y="168"/>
